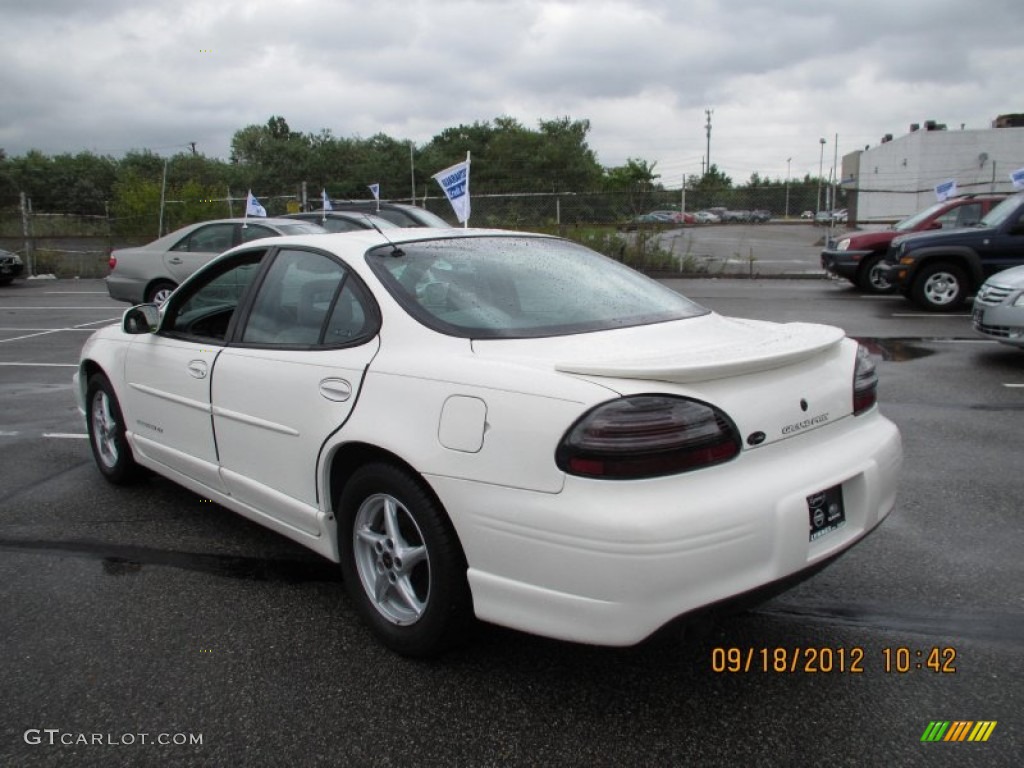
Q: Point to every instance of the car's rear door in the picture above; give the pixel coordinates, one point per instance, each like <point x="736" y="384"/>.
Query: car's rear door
<point x="289" y="380"/>
<point x="198" y="247"/>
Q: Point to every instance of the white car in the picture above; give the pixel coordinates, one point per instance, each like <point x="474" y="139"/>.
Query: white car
<point x="999" y="307"/>
<point x="497" y="424"/>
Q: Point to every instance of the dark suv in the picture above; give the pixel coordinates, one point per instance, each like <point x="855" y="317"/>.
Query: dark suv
<point x="857" y="255"/>
<point x="938" y="271"/>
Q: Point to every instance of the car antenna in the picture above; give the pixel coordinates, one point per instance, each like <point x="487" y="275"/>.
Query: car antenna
<point x="395" y="250"/>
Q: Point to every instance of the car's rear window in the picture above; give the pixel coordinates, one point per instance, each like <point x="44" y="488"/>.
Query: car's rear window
<point x="518" y="287"/>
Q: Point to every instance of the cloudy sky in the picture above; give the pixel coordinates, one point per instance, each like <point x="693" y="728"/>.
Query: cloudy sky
<point x="110" y="76"/>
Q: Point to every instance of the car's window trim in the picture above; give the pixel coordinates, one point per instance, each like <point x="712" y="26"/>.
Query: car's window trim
<point x="369" y="303"/>
<point x="243" y="302"/>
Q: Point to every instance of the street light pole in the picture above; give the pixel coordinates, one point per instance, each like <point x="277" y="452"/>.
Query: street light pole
<point x="788" y="161"/>
<point x="821" y="161"/>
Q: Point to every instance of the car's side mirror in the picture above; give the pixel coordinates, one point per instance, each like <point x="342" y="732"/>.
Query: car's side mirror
<point x="145" y="318"/>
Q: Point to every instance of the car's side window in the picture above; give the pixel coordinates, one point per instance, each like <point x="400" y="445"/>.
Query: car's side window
<point x="213" y="238"/>
<point x="255" y="232"/>
<point x="203" y="309"/>
<point x="307" y="299"/>
<point x="969" y="215"/>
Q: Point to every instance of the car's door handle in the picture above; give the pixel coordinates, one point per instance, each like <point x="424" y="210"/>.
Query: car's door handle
<point x="198" y="369"/>
<point x="176" y="260"/>
<point x="337" y="390"/>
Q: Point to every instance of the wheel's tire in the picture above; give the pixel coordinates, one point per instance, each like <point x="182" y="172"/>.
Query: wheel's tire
<point x="159" y="292"/>
<point x="106" y="433"/>
<point x="870" y="279"/>
<point x="402" y="562"/>
<point x="940" y="287"/>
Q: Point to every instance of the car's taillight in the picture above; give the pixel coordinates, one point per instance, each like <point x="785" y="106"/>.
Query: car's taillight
<point x="865" y="382"/>
<point x="112" y="263"/>
<point x="647" y="436"/>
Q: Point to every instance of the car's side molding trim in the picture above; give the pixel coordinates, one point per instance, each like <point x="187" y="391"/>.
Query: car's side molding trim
<point x="163" y="395"/>
<point x="255" y="422"/>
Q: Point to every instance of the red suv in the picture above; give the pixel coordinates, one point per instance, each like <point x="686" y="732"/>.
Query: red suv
<point x="856" y="256"/>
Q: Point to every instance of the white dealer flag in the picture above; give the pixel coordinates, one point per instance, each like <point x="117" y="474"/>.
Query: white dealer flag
<point x="455" y="183"/>
<point x="253" y="207"/>
<point x="326" y="202"/>
<point x="946" y="190"/>
<point x="1017" y="179"/>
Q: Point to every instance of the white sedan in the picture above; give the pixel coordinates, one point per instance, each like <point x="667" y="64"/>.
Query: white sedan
<point x="499" y="425"/>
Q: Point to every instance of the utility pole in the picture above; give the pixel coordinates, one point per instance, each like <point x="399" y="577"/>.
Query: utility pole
<point x="708" y="113"/>
<point x="412" y="173"/>
<point x="788" y="161"/>
<point x="821" y="159"/>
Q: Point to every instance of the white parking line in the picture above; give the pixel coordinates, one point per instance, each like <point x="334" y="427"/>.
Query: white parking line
<point x="87" y="330"/>
<point x="40" y="365"/>
<point x="1014" y="386"/>
<point x="77" y="293"/>
<point x="923" y="314"/>
<point x="66" y="435"/>
<point x="46" y="332"/>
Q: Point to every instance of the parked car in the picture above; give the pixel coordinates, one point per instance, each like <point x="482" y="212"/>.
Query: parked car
<point x="497" y="424"/>
<point x="760" y="216"/>
<point x="938" y="271"/>
<point x="401" y="214"/>
<point x="151" y="272"/>
<point x="343" y="221"/>
<point x="674" y="217"/>
<point x="857" y="256"/>
<point x="807" y="215"/>
<point x="11" y="266"/>
<point x="999" y="307"/>
<point x="829" y="218"/>
<point x="706" y="217"/>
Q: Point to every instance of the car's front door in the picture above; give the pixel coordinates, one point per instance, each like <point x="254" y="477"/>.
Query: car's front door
<point x="168" y="374"/>
<point x="289" y="380"/>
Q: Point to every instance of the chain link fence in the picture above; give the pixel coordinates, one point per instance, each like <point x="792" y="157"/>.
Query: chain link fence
<point x="614" y="223"/>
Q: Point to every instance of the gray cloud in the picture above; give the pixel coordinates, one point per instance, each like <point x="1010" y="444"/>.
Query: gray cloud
<point x="111" y="76"/>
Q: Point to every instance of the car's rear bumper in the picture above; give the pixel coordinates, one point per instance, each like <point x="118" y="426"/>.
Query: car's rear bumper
<point x="610" y="562"/>
<point x="125" y="289"/>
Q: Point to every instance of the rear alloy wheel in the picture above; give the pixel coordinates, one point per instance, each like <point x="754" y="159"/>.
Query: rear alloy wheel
<point x="402" y="563"/>
<point x="106" y="432"/>
<point x="939" y="287"/>
<point x="871" y="278"/>
<point x="159" y="292"/>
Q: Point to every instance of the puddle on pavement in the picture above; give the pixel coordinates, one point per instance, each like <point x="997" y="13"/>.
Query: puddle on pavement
<point x="896" y="350"/>
<point x="120" y="560"/>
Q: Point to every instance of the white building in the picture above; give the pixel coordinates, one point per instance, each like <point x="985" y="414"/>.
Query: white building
<point x="899" y="177"/>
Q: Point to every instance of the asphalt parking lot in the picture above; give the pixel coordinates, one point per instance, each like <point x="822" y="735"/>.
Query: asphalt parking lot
<point x="144" y="626"/>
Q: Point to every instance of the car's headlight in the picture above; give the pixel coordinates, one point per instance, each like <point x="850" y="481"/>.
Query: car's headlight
<point x="843" y="244"/>
<point x="1019" y="301"/>
<point x="647" y="436"/>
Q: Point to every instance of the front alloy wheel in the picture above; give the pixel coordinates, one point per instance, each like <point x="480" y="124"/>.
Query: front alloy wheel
<point x="402" y="562"/>
<point x="107" y="432"/>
